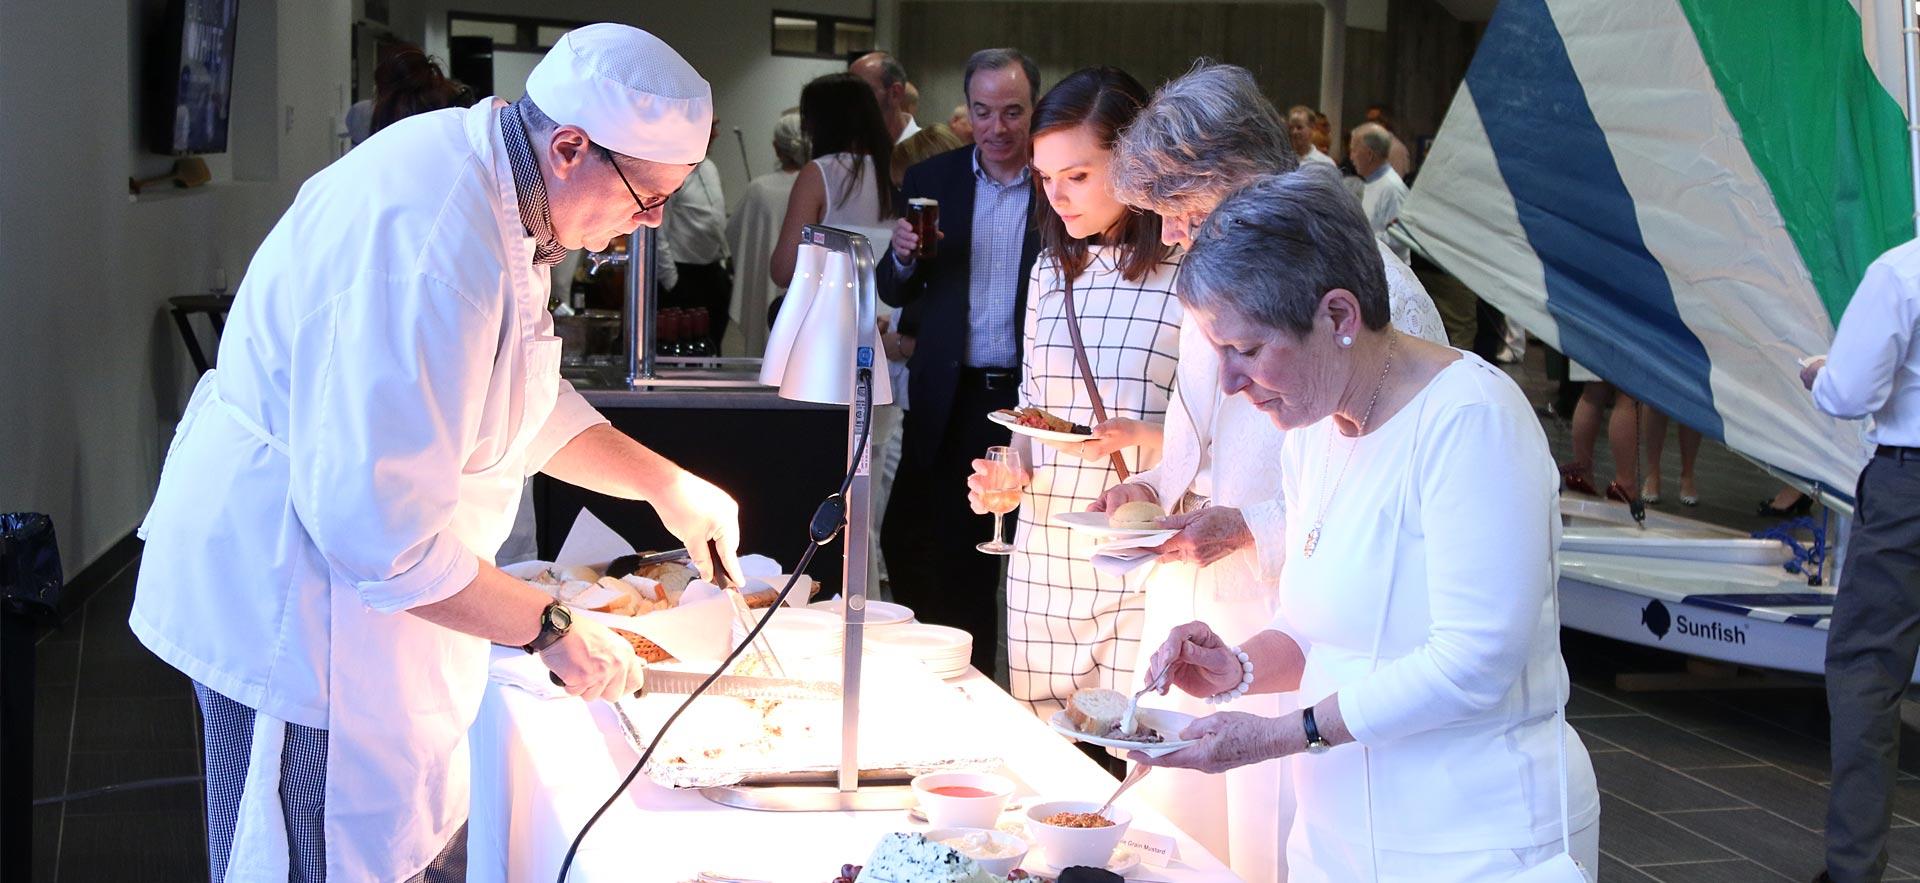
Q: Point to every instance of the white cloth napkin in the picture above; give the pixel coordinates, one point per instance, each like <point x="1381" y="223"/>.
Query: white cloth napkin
<point x="526" y="671"/>
<point x="1121" y="557"/>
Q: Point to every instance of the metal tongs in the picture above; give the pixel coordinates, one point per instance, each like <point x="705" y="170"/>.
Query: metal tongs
<point x="742" y="615"/>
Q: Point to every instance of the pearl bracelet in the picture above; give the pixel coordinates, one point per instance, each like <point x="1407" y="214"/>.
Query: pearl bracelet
<point x="1246" y="681"/>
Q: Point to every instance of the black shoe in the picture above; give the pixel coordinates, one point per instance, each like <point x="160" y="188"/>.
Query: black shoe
<point x="1823" y="878"/>
<point x="1799" y="507"/>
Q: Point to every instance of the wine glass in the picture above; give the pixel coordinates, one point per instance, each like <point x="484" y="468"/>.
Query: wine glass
<point x="1001" y="494"/>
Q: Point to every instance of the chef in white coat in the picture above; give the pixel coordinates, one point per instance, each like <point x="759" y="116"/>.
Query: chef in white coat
<point x="319" y="553"/>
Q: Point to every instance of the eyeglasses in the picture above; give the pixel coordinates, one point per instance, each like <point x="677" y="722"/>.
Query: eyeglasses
<point x="645" y="206"/>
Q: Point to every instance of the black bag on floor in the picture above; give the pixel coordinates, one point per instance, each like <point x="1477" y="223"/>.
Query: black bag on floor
<point x="30" y="577"/>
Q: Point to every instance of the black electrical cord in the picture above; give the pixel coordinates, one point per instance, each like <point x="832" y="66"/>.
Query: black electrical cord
<point x="827" y="522"/>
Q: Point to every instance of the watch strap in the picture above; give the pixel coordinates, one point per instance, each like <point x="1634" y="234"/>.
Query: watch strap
<point x="1313" y="729"/>
<point x="550" y="634"/>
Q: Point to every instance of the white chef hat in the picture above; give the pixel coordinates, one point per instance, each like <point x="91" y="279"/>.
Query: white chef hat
<point x="628" y="90"/>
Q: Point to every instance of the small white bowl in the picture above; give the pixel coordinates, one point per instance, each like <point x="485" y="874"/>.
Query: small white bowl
<point x="1013" y="849"/>
<point x="951" y="811"/>
<point x="1066" y="847"/>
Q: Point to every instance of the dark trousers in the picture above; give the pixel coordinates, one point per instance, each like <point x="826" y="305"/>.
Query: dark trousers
<point x="709" y="287"/>
<point x="930" y="532"/>
<point x="1870" y="657"/>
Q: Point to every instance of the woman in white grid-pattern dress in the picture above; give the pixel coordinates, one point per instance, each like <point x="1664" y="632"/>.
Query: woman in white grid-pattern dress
<point x="1069" y="626"/>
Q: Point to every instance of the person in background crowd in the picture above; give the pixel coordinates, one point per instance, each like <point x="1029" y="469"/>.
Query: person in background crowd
<point x="1397" y="154"/>
<point x="1300" y="129"/>
<point x="406" y="82"/>
<point x="1873" y="371"/>
<point x="752" y="231"/>
<point x="1383" y="191"/>
<point x="925" y="144"/>
<point x="1322" y="133"/>
<point x="910" y="104"/>
<point x="695" y="233"/>
<point x="1589" y="412"/>
<point x="961" y="122"/>
<point x="1653" y="434"/>
<point x="888" y="79"/>
<point x="1417" y="618"/>
<point x="1069" y="626"/>
<point x="849" y="185"/>
<point x="969" y="300"/>
<point x="1204" y="136"/>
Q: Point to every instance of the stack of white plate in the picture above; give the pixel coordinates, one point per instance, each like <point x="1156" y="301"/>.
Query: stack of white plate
<point x="945" y="651"/>
<point x="879" y="613"/>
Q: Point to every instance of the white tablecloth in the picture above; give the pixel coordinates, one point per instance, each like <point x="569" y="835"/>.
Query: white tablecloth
<point x="541" y="767"/>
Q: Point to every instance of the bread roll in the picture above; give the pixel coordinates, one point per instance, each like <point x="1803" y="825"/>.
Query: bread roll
<point x="1096" y="712"/>
<point x="643" y="648"/>
<point x="1137" y="515"/>
<point x="671" y="576"/>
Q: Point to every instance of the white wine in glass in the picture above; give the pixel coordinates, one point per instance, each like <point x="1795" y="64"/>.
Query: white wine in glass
<point x="1001" y="494"/>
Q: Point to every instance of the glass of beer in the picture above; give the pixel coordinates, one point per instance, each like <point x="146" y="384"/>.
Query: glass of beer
<point x="924" y="215"/>
<point x="1001" y="494"/>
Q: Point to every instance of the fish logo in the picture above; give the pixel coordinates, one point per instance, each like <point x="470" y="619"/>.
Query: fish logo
<point x="1656" y="619"/>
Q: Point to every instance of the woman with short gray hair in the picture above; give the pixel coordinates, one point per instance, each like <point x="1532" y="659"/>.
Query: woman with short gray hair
<point x="1201" y="137"/>
<point x="1417" y="622"/>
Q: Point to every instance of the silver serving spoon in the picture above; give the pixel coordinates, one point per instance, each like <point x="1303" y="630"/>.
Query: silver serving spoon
<point x="1134" y="775"/>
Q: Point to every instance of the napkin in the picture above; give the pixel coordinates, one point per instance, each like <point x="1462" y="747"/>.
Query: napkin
<point x="1121" y="557"/>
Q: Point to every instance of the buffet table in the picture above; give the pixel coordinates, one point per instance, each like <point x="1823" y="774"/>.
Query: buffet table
<point x="541" y="767"/>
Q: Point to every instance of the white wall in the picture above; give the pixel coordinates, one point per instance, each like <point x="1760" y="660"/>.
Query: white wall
<point x="726" y="40"/>
<point x="92" y="373"/>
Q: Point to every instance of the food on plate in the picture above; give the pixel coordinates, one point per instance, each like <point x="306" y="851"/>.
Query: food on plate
<point x="633" y="596"/>
<point x="643" y="648"/>
<point x="981" y="844"/>
<point x="671" y="575"/>
<point x="1098" y="712"/>
<point x="1079" y="820"/>
<point x="912" y="858"/>
<point x="1038" y="418"/>
<point x="1137" y="515"/>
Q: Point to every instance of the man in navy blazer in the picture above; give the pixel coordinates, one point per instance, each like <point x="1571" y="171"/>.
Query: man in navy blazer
<point x="967" y="308"/>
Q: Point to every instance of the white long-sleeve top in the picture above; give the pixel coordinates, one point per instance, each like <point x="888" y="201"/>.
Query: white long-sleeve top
<point x="1874" y="367"/>
<point x="1438" y="549"/>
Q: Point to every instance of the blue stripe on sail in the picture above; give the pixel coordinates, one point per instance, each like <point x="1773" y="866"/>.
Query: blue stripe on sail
<point x="1609" y="296"/>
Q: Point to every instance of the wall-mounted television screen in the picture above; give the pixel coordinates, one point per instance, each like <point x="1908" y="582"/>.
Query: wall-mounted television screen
<point x="191" y="91"/>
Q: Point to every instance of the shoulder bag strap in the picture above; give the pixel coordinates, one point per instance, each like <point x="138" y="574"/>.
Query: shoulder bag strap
<point x="1086" y="371"/>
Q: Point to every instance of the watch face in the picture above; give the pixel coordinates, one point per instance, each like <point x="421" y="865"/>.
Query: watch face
<point x="560" y="617"/>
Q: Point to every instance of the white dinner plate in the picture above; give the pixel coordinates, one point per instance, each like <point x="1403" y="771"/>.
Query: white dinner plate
<point x="1042" y="434"/>
<point x="924" y="640"/>
<point x="878" y="612"/>
<point x="1124" y="860"/>
<point x="1095" y="524"/>
<point x="1160" y="720"/>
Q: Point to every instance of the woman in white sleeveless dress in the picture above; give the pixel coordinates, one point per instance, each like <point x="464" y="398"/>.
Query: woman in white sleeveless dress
<point x="849" y="185"/>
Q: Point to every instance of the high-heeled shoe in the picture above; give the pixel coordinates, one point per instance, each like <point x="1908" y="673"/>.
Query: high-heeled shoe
<point x="1620" y="494"/>
<point x="1575" y="477"/>
<point x="1798" y="508"/>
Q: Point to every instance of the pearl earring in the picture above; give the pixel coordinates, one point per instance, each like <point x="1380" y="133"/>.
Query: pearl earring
<point x="1346" y="340"/>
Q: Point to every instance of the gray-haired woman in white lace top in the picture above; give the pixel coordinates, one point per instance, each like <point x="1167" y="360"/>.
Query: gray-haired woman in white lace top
<point x="1203" y="137"/>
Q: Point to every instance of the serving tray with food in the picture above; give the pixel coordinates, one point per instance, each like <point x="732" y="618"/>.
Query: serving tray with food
<point x="1036" y="422"/>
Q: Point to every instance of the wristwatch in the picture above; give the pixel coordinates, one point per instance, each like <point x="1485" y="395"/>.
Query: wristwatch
<point x="1316" y="744"/>
<point x="555" y="621"/>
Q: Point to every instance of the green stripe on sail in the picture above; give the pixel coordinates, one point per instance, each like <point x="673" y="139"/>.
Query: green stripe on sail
<point x="1830" y="141"/>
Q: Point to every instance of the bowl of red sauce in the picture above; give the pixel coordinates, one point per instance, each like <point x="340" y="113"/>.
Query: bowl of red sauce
<point x="962" y="800"/>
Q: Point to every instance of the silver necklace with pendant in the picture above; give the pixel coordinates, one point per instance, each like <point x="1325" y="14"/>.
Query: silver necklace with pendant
<point x="1313" y="534"/>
